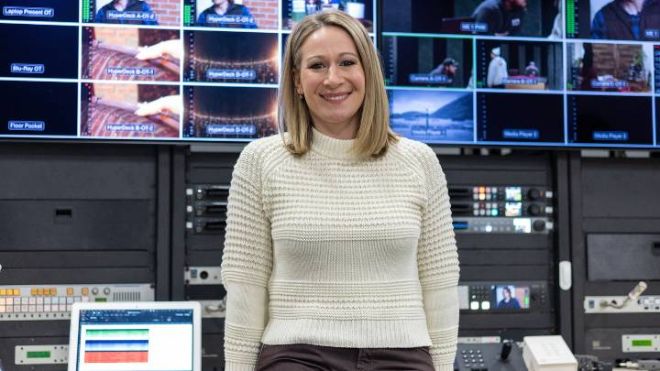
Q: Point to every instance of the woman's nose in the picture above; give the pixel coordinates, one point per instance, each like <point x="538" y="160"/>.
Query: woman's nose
<point x="333" y="77"/>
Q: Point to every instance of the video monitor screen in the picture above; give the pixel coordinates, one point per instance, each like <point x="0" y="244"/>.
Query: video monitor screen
<point x="38" y="108"/>
<point x="613" y="20"/>
<point x="617" y="68"/>
<point x="510" y="298"/>
<point x="231" y="14"/>
<point x="509" y="73"/>
<point x="427" y="61"/>
<point x="432" y="116"/>
<point x="517" y="117"/>
<point x="295" y="10"/>
<point x="519" y="65"/>
<point x="130" y="53"/>
<point x="226" y="113"/>
<point x="611" y="120"/>
<point x="130" y="110"/>
<point x="222" y="57"/>
<point x="133" y="12"/>
<point x="40" y="10"/>
<point x="502" y="18"/>
<point x="42" y="52"/>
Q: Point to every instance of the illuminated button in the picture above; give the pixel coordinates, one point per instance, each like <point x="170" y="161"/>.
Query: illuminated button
<point x="53" y="292"/>
<point x="40" y="292"/>
<point x="3" y="292"/>
<point x="85" y="291"/>
<point x="34" y="292"/>
<point x="69" y="291"/>
<point x="474" y="305"/>
<point x="17" y="292"/>
<point x="482" y="196"/>
<point x="485" y="305"/>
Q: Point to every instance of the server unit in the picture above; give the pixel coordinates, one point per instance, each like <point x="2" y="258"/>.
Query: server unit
<point x="77" y="225"/>
<point x="616" y="244"/>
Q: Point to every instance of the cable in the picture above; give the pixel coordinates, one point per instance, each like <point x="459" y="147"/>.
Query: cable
<point x="633" y="295"/>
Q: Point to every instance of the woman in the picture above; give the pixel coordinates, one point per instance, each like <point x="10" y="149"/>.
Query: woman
<point x="339" y="251"/>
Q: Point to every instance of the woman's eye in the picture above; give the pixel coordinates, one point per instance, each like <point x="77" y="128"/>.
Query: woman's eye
<point x="316" y="66"/>
<point x="347" y="63"/>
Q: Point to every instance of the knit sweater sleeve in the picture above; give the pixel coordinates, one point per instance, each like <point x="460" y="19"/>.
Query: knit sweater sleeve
<point x="437" y="261"/>
<point x="246" y="264"/>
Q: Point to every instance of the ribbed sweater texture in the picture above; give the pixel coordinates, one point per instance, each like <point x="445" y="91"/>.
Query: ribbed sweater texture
<point x="334" y="250"/>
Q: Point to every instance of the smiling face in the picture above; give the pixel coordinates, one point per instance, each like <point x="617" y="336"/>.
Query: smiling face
<point x="331" y="78"/>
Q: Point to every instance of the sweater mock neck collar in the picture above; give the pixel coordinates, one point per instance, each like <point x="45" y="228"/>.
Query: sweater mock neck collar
<point x="340" y="149"/>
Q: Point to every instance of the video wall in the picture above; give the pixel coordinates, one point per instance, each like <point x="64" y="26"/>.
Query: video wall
<point x="545" y="73"/>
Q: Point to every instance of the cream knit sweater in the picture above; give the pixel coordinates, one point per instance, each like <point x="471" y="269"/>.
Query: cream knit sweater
<point x="326" y="249"/>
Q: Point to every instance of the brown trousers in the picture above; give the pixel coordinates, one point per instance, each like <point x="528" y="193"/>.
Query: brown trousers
<point x="303" y="357"/>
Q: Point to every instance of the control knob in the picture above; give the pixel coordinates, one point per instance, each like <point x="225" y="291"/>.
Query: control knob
<point x="533" y="194"/>
<point x="538" y="225"/>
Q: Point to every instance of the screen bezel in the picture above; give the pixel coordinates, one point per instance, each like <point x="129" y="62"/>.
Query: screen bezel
<point x="185" y="305"/>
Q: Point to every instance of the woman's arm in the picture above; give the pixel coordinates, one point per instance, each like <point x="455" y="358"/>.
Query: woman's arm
<point x="246" y="264"/>
<point x="437" y="261"/>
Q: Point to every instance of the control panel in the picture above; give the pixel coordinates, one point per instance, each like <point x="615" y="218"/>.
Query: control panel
<point x="506" y="356"/>
<point x="501" y="209"/>
<point x="640" y="343"/>
<point x="50" y="302"/>
<point x="619" y="304"/>
<point x="41" y="354"/>
<point x="505" y="297"/>
<point x="202" y="276"/>
<point x="206" y="276"/>
<point x="206" y="208"/>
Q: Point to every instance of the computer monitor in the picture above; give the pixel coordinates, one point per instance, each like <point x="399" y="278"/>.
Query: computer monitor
<point x="144" y="336"/>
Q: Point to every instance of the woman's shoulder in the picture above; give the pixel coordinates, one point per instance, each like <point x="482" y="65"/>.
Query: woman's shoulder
<point x="414" y="150"/>
<point x="264" y="151"/>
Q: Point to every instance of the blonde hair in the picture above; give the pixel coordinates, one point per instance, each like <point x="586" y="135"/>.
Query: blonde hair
<point x="374" y="134"/>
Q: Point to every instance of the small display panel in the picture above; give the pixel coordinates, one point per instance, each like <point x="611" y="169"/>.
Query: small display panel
<point x="509" y="297"/>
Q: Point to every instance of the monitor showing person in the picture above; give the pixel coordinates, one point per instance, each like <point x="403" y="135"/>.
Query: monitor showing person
<point x="225" y="13"/>
<point x="126" y="12"/>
